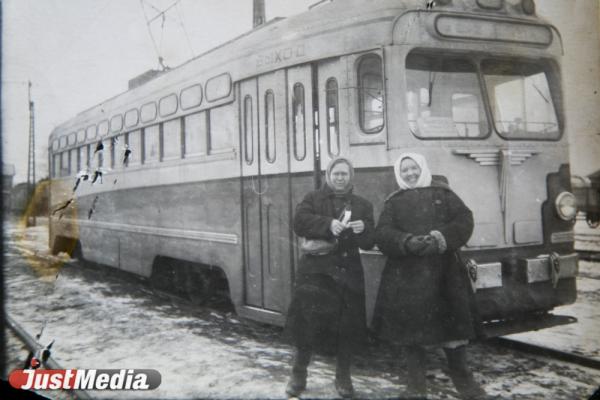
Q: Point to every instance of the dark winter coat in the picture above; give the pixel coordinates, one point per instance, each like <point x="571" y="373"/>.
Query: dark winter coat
<point x="328" y="305"/>
<point x="423" y="299"/>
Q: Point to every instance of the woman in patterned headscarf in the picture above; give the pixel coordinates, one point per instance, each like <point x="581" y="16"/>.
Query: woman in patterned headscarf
<point x="424" y="294"/>
<point x="328" y="305"/>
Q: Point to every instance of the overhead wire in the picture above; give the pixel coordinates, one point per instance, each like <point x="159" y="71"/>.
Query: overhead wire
<point x="158" y="47"/>
<point x="150" y="29"/>
<point x="182" y="23"/>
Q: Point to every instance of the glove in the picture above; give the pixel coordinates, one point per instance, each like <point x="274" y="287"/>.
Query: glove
<point x="430" y="246"/>
<point x="415" y="244"/>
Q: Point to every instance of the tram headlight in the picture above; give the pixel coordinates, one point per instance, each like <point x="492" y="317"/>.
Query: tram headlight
<point x="566" y="206"/>
<point x="528" y="6"/>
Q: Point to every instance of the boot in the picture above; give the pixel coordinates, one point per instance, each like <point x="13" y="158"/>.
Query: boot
<point x="461" y="375"/>
<point x="343" y="381"/>
<point x="415" y="362"/>
<point x="297" y="382"/>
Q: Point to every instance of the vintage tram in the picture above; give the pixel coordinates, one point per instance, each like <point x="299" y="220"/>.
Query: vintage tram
<point x="223" y="147"/>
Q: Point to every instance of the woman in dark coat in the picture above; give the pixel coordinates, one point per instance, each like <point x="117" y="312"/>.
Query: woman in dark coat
<point x="424" y="294"/>
<point x="328" y="305"/>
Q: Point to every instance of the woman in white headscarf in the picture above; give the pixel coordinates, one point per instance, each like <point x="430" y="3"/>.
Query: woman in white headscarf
<point x="424" y="295"/>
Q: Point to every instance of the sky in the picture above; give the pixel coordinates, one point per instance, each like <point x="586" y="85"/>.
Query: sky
<point x="77" y="53"/>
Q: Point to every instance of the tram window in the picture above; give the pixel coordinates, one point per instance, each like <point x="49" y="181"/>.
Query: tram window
<point x="99" y="155"/>
<point x="116" y="145"/>
<point x="79" y="158"/>
<point x="151" y="144"/>
<point x="81" y="136"/>
<point x="333" y="125"/>
<point x="73" y="161"/>
<point x="90" y="132"/>
<point x="270" y="126"/>
<point x="465" y="114"/>
<point x="191" y="97"/>
<point x="196" y="126"/>
<point x="64" y="163"/>
<point x="167" y="105"/>
<point x="221" y="128"/>
<point x="172" y="139"/>
<point x="134" y="141"/>
<point x="299" y="122"/>
<point x="69" y="161"/>
<point x="443" y="98"/>
<point x="248" y="130"/>
<point x="71" y="139"/>
<point x="103" y="128"/>
<point x="87" y="156"/>
<point x="370" y="94"/>
<point x="116" y="123"/>
<point x="56" y="165"/>
<point x="148" y="112"/>
<point x="132" y="117"/>
<point x="521" y="98"/>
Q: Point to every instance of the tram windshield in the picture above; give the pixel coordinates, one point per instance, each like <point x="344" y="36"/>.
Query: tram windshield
<point x="444" y="98"/>
<point x="521" y="100"/>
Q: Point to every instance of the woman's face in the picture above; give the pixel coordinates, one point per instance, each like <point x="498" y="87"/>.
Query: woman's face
<point x="340" y="176"/>
<point x="410" y="171"/>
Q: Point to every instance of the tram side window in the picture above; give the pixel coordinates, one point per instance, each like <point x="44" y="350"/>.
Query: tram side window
<point x="299" y="122"/>
<point x="151" y="144"/>
<point x="79" y="151"/>
<point x="116" y="150"/>
<point x="108" y="153"/>
<point x="73" y="161"/>
<point x="88" y="156"/>
<point x="370" y="94"/>
<point x="333" y="127"/>
<point x="98" y="155"/>
<point x="134" y="142"/>
<point x="270" y="126"/>
<point x="172" y="139"/>
<point x="56" y="165"/>
<point x="248" y="123"/>
<point x="64" y="163"/>
<point x="443" y="97"/>
<point x="222" y="127"/>
<point x="196" y="126"/>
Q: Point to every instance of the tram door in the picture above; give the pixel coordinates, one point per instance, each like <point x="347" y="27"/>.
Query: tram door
<point x="266" y="192"/>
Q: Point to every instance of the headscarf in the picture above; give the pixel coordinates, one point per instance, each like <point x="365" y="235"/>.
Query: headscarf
<point x="425" y="177"/>
<point x="330" y="166"/>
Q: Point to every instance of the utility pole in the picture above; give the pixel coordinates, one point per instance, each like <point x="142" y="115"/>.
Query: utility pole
<point x="31" y="158"/>
<point x="259" y="16"/>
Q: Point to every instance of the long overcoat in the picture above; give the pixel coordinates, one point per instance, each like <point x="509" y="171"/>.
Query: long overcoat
<point x="423" y="299"/>
<point x="328" y="305"/>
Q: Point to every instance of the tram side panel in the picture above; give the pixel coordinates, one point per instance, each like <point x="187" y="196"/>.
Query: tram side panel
<point x="182" y="209"/>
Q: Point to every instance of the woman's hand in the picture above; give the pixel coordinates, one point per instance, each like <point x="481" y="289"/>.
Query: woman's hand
<point x="415" y="245"/>
<point x="431" y="246"/>
<point x="336" y="227"/>
<point x="358" y="227"/>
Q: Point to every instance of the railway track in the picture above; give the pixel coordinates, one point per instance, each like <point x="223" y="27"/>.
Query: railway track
<point x="547" y="352"/>
<point x="33" y="346"/>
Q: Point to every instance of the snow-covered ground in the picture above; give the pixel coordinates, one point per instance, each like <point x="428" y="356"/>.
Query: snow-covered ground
<point x="102" y="321"/>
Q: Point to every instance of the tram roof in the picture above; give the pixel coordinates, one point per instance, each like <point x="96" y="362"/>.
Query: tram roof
<point x="375" y="18"/>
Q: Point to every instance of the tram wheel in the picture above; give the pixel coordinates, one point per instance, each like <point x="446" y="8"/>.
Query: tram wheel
<point x="200" y="285"/>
